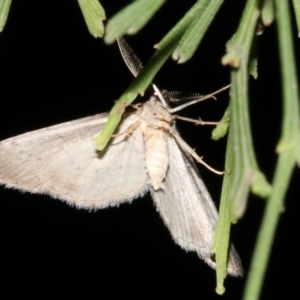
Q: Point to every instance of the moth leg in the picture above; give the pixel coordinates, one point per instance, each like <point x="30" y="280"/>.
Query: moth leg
<point x="128" y="130"/>
<point x="192" y="152"/>
<point x="197" y="122"/>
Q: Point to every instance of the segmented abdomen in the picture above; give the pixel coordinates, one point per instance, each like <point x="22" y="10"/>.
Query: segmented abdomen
<point x="157" y="161"/>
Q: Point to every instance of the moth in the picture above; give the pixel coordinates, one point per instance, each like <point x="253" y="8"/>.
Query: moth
<point x="145" y="154"/>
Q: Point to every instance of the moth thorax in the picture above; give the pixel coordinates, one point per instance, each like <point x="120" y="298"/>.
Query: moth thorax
<point x="157" y="155"/>
<point x="154" y="109"/>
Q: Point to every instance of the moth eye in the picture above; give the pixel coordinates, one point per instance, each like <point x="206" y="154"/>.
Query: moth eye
<point x="213" y="258"/>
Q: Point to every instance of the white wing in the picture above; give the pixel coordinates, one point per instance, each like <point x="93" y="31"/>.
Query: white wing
<point x="188" y="210"/>
<point x="62" y="161"/>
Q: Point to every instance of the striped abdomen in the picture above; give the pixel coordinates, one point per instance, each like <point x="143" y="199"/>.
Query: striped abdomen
<point x="157" y="156"/>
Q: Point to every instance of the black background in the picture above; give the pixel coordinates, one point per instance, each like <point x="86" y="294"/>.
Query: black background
<point x="52" y="71"/>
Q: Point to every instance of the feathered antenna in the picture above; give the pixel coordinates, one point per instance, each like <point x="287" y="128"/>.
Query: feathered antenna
<point x="132" y="61"/>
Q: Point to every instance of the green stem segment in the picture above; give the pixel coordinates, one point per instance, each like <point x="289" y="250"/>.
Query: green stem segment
<point x="4" y="10"/>
<point x="222" y="233"/>
<point x="245" y="173"/>
<point x="289" y="153"/>
<point x="267" y="230"/>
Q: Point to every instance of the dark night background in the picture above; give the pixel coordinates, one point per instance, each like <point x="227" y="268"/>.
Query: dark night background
<point x="53" y="71"/>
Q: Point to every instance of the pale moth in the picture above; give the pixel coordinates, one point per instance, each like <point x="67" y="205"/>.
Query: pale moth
<point x="145" y="154"/>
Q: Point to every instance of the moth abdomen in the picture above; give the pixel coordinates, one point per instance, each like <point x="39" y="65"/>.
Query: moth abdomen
<point x="157" y="159"/>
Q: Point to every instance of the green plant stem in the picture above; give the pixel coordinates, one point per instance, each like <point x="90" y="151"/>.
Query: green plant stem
<point x="296" y="4"/>
<point x="131" y="18"/>
<point x="290" y="136"/>
<point x="245" y="172"/>
<point x="266" y="234"/>
<point x="194" y="34"/>
<point x="4" y="10"/>
<point x="94" y="15"/>
<point x="288" y="148"/>
<point x="222" y="232"/>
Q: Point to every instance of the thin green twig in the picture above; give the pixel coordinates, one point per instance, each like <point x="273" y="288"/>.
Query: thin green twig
<point x="289" y="152"/>
<point x="4" y="10"/>
<point x="245" y="173"/>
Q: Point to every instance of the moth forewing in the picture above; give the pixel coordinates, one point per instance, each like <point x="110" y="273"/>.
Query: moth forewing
<point x="62" y="161"/>
<point x="22" y="157"/>
<point x="187" y="208"/>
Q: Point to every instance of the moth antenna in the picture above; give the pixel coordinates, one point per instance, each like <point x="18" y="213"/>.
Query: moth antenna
<point x="132" y="61"/>
<point x="201" y="98"/>
<point x="177" y="97"/>
<point x="135" y="65"/>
